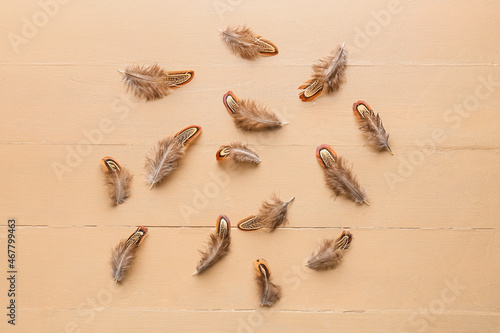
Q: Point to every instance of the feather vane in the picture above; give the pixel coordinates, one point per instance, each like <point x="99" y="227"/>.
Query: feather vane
<point x="218" y="245"/>
<point x="371" y="124"/>
<point x="124" y="253"/>
<point x="330" y="252"/>
<point x="269" y="292"/>
<point x="118" y="180"/>
<point x="238" y="152"/>
<point x="272" y="214"/>
<point x="244" y="43"/>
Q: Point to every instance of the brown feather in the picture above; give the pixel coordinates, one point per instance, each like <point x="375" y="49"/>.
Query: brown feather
<point x="339" y="176"/>
<point x="269" y="292"/>
<point x="244" y="43"/>
<point x="272" y="213"/>
<point x="238" y="152"/>
<point x="371" y="124"/>
<point x="148" y="83"/>
<point x="118" y="180"/>
<point x="250" y="115"/>
<point x="328" y="75"/>
<point x="330" y="252"/>
<point x="124" y="253"/>
<point x="163" y="160"/>
<point x="218" y="245"/>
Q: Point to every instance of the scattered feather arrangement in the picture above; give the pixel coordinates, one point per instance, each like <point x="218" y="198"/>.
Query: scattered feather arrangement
<point x="166" y="155"/>
<point x="339" y="176"/>
<point x="372" y="125"/>
<point x="328" y="75"/>
<point x="330" y="252"/>
<point x="271" y="215"/>
<point x="244" y="43"/>
<point x="150" y="83"/>
<point x="218" y="245"/>
<point x="118" y="180"/>
<point x="250" y="115"/>
<point x="124" y="253"/>
<point x="238" y="152"/>
<point x="269" y="292"/>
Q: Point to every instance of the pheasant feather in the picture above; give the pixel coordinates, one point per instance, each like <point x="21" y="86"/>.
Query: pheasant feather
<point x="272" y="214"/>
<point x="218" y="245"/>
<point x="124" y="253"/>
<point x="338" y="175"/>
<point x="118" y="180"/>
<point x="269" y="292"/>
<point x="328" y="75"/>
<point x="330" y="252"/>
<point x="250" y="115"/>
<point x="166" y="155"/>
<point x="372" y="125"/>
<point x="244" y="43"/>
<point x="238" y="152"/>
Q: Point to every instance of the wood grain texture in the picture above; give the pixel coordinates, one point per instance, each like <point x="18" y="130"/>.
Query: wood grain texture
<point x="425" y="254"/>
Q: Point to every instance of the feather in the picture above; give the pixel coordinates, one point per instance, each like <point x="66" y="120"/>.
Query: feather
<point x="339" y="176"/>
<point x="218" y="245"/>
<point x="238" y="152"/>
<point x="250" y="115"/>
<point x="330" y="252"/>
<point x="117" y="179"/>
<point x="372" y="125"/>
<point x="269" y="292"/>
<point x="271" y="215"/>
<point x="124" y="253"/>
<point x="150" y="83"/>
<point x="166" y="155"/>
<point x="328" y="75"/>
<point x="244" y="43"/>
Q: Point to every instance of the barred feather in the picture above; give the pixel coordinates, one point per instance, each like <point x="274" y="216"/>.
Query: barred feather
<point x="269" y="292"/>
<point x="339" y="176"/>
<point x="244" y="43"/>
<point x="328" y="75"/>
<point x="372" y="125"/>
<point x="250" y="115"/>
<point x="238" y="152"/>
<point x="330" y="252"/>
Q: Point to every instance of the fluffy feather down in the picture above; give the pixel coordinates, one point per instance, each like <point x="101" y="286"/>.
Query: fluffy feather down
<point x="253" y="115"/>
<point x="218" y="247"/>
<point x="122" y="257"/>
<point x="269" y="292"/>
<point x="272" y="213"/>
<point x="148" y="83"/>
<point x="329" y="253"/>
<point x="342" y="181"/>
<point x="163" y="160"/>
<point x="119" y="184"/>
<point x="244" y="43"/>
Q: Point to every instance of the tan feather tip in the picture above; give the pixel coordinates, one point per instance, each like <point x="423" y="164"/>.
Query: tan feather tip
<point x="179" y="78"/>
<point x="344" y="240"/>
<point x="326" y="155"/>
<point x="261" y="267"/>
<point x="222" y="152"/>
<point x="311" y="90"/>
<point x="361" y="109"/>
<point x="223" y="226"/>
<point x="230" y="102"/>
<point x="266" y="47"/>
<point x="109" y="164"/>
<point x="187" y="135"/>
<point x="251" y="223"/>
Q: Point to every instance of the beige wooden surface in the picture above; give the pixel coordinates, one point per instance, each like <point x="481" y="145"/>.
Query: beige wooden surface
<point x="425" y="255"/>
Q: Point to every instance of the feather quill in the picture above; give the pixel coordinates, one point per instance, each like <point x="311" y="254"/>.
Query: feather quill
<point x="150" y="83"/>
<point x="269" y="292"/>
<point x="166" y="155"/>
<point x="328" y="75"/>
<point x="372" y="125"/>
<point x="330" y="252"/>
<point x="250" y="115"/>
<point x="339" y="176"/>
<point x="272" y="214"/>
<point x="244" y="43"/>
<point x="238" y="152"/>
<point x="117" y="179"/>
<point x="124" y="253"/>
<point x="218" y="245"/>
